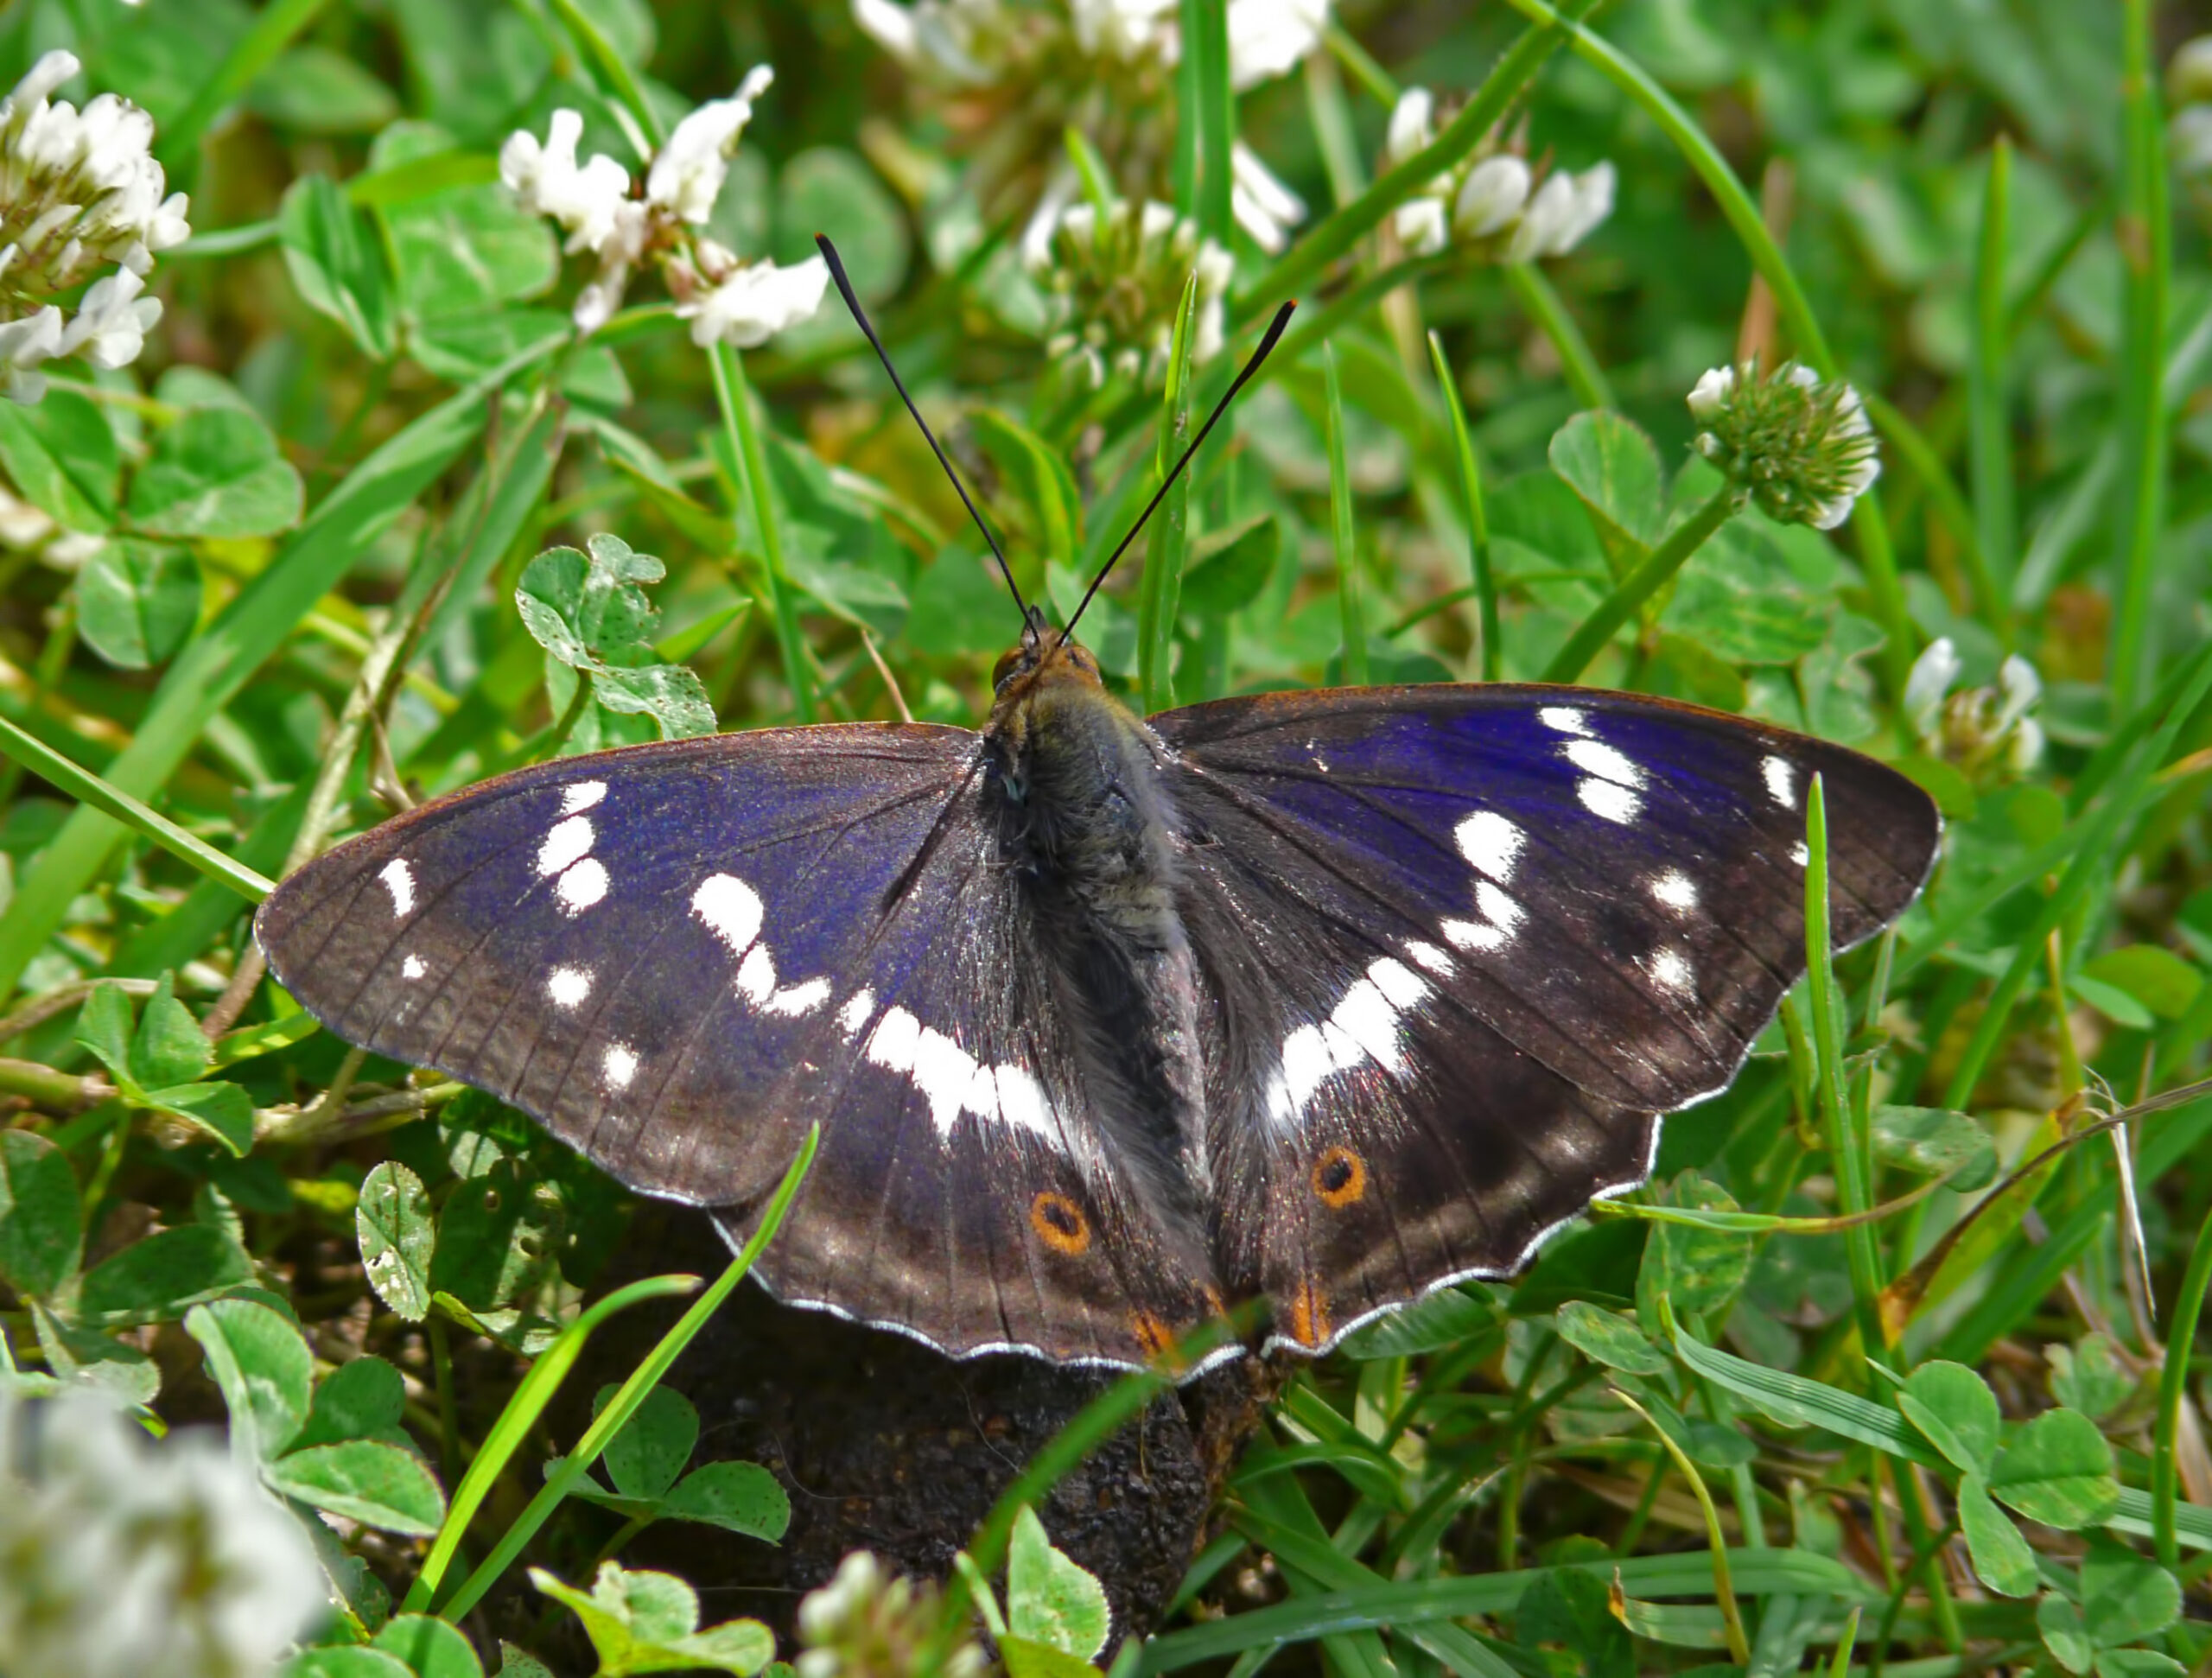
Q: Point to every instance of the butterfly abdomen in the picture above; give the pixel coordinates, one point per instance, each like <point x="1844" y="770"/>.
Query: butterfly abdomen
<point x="1090" y="832"/>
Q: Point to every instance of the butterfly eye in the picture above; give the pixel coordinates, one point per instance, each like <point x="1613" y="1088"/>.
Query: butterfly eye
<point x="1004" y="671"/>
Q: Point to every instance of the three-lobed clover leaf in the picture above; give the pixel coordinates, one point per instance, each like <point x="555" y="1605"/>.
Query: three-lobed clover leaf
<point x="160" y="1066"/>
<point x="588" y="612"/>
<point x="647" y="1622"/>
<point x="645" y="1465"/>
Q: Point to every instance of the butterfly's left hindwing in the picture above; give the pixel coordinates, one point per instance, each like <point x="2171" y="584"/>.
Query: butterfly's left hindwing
<point x="1464" y="944"/>
<point x="678" y="956"/>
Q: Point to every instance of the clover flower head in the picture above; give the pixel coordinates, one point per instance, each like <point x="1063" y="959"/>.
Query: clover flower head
<point x="79" y="191"/>
<point x="1491" y="202"/>
<point x="1123" y="29"/>
<point x="1113" y="283"/>
<point x="742" y="303"/>
<point x="869" y="1622"/>
<point x="120" y="1558"/>
<point x="1979" y="729"/>
<point x="1797" y="445"/>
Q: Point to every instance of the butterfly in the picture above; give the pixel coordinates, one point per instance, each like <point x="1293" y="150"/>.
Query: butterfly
<point x="1327" y="998"/>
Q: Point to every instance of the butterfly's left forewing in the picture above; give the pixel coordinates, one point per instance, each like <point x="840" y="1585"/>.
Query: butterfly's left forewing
<point x="1464" y="944"/>
<point x="678" y="957"/>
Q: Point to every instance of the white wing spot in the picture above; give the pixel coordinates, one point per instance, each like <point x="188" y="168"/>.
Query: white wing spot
<point x="943" y="1072"/>
<point x="621" y="1065"/>
<point x="399" y="879"/>
<point x="1614" y="802"/>
<point x="1800" y="855"/>
<point x="1672" y="968"/>
<point x="1473" y="935"/>
<point x="412" y="967"/>
<point x="795" y="1001"/>
<point x="756" y="976"/>
<point x="1676" y="890"/>
<point x="731" y="910"/>
<point x="1428" y="956"/>
<point x="1781" y="781"/>
<point x="854" y="1014"/>
<point x="1367" y="1017"/>
<point x="891" y="1044"/>
<point x="579" y="795"/>
<point x="568" y="986"/>
<point x="1405" y="988"/>
<point x="1490" y="843"/>
<point x="1564" y="718"/>
<point x="1500" y="911"/>
<point x="581" y="885"/>
<point x="1022" y="1104"/>
<point x="565" y="842"/>
<point x="1600" y="759"/>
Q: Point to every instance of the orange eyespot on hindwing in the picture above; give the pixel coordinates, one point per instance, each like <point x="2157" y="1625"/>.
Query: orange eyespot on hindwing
<point x="1339" y="1177"/>
<point x="1059" y="1222"/>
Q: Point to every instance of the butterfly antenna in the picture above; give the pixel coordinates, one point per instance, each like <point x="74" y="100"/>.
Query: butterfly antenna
<point x="1267" y="343"/>
<point x="852" y="302"/>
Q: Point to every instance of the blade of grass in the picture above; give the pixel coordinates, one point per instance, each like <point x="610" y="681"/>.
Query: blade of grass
<point x="562" y="1478"/>
<point x="1487" y="649"/>
<point x="1912" y="446"/>
<point x="611" y="69"/>
<point x="1540" y="298"/>
<point x="2173" y="1392"/>
<point x="1169" y="539"/>
<point x="272" y="29"/>
<point x="516" y="1423"/>
<point x="1340" y="527"/>
<point x="1638" y="586"/>
<point x="1988" y="427"/>
<point x="1742" y="213"/>
<point x="89" y="789"/>
<point x="2145" y="239"/>
<point x="204" y="679"/>
<point x="736" y="405"/>
<point x="1205" y="124"/>
<point x="1724" y="1588"/>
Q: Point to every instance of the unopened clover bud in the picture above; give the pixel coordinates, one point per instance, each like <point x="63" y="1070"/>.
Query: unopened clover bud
<point x="1797" y="445"/>
<point x="1548" y="214"/>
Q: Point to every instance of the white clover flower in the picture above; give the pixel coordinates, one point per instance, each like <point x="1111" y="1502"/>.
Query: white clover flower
<point x="1799" y="446"/>
<point x="1264" y="208"/>
<point x="1422" y="226"/>
<point x="1123" y="29"/>
<point x="1114" y="282"/>
<point x="548" y="180"/>
<point x="1933" y="674"/>
<point x="744" y="304"/>
<point x="868" y="1621"/>
<point x="113" y="322"/>
<point x="2189" y="71"/>
<point x="79" y="191"/>
<point x="123" y="1558"/>
<point x="1491" y="200"/>
<point x="1413" y="126"/>
<point x="1977" y="728"/>
<point x="1491" y="197"/>
<point x="687" y="174"/>
<point x="756" y="302"/>
<point x="1268" y="38"/>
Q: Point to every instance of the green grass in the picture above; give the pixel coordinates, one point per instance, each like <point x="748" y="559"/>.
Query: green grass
<point x="1724" y="1422"/>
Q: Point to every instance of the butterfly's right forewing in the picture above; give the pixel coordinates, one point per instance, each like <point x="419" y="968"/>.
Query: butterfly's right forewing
<point x="679" y="957"/>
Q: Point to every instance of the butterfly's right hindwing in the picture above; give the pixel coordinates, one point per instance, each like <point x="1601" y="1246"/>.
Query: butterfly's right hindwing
<point x="679" y="957"/>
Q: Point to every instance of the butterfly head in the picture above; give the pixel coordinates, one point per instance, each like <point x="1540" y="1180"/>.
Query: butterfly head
<point x="1042" y="658"/>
